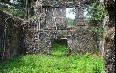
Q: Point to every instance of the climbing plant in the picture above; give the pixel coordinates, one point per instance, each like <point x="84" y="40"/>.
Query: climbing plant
<point x="96" y="13"/>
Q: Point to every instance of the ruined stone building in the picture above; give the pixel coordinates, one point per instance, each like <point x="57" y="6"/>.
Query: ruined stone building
<point x="50" y="23"/>
<point x="35" y="36"/>
<point x="10" y="35"/>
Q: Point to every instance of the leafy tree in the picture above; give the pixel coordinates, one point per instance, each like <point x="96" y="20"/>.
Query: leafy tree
<point x="96" y="12"/>
<point x="17" y="7"/>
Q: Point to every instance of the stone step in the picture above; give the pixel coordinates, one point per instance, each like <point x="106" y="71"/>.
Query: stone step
<point x="63" y="38"/>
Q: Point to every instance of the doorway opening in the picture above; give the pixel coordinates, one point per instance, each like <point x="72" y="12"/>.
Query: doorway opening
<point x="59" y="47"/>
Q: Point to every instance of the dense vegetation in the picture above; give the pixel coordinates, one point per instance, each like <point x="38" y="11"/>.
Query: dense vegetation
<point x="58" y="62"/>
<point x="18" y="8"/>
<point x="14" y="8"/>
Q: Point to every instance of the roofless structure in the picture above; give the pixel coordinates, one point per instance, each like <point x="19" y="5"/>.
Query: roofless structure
<point x="35" y="36"/>
<point x="50" y="23"/>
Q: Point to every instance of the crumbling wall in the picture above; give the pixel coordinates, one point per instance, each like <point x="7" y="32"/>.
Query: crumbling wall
<point x="10" y="35"/>
<point x="55" y="18"/>
<point x="82" y="40"/>
<point x="50" y="23"/>
<point x="109" y="37"/>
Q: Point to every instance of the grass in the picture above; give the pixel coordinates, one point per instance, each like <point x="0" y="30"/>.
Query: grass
<point x="58" y="62"/>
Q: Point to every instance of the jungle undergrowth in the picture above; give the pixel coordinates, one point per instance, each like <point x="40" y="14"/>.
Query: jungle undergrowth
<point x="57" y="62"/>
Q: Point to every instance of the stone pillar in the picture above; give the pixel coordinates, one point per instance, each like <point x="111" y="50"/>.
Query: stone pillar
<point x="37" y="39"/>
<point x="49" y="18"/>
<point x="55" y="18"/>
<point x="59" y="15"/>
<point x="79" y="18"/>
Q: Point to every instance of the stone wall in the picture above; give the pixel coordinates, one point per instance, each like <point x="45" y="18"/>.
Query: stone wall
<point x="10" y="35"/>
<point x="55" y="18"/>
<point x="50" y="23"/>
<point x="109" y="37"/>
<point x="35" y="36"/>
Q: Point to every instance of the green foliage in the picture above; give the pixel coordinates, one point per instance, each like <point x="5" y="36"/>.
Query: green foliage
<point x="14" y="9"/>
<point x="96" y="69"/>
<point x="98" y="31"/>
<point x="58" y="62"/>
<point x="96" y="11"/>
<point x="70" y="21"/>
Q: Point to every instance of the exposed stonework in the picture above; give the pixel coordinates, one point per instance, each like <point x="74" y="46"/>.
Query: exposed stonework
<point x="10" y="35"/>
<point x="50" y="23"/>
<point x="109" y="37"/>
<point x="18" y="36"/>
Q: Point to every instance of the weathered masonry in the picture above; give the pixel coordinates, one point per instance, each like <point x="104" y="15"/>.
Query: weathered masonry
<point x="50" y="22"/>
<point x="10" y="35"/>
<point x="34" y="36"/>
